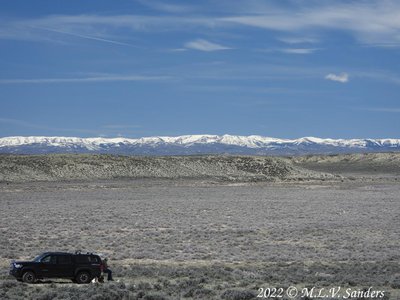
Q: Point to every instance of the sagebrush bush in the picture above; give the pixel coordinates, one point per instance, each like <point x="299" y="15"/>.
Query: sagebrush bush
<point x="238" y="295"/>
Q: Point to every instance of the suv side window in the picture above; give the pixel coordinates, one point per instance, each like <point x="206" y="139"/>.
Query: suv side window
<point x="86" y="259"/>
<point x="94" y="259"/>
<point x="49" y="259"/>
<point x="82" y="259"/>
<point x="64" y="259"/>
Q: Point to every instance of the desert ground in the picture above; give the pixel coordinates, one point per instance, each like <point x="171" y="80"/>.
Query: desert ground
<point x="204" y="227"/>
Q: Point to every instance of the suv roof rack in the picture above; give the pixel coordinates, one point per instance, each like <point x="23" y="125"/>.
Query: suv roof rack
<point x="81" y="252"/>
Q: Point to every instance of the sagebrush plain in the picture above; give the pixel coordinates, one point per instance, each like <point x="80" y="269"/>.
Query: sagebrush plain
<point x="211" y="237"/>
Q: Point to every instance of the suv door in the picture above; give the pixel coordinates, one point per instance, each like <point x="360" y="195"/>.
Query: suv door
<point x="65" y="267"/>
<point x="48" y="266"/>
<point x="96" y="265"/>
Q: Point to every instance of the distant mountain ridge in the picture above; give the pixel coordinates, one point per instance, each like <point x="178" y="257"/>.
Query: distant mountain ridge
<point x="195" y="144"/>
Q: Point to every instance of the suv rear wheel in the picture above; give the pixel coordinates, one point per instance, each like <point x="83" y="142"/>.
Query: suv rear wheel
<point x="83" y="277"/>
<point x="29" y="277"/>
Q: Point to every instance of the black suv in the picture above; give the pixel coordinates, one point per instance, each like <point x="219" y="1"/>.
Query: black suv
<point x="79" y="267"/>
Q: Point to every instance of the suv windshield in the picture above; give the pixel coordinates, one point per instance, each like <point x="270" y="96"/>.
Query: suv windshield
<point x="38" y="258"/>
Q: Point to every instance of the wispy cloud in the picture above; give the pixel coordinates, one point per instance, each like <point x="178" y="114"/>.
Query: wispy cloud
<point x="97" y="25"/>
<point x="167" y="7"/>
<point x="299" y="50"/>
<point x="99" y="28"/>
<point x="298" y="40"/>
<point x="103" y="131"/>
<point x="25" y="124"/>
<point x="246" y="89"/>
<point x="379" y="75"/>
<point x="177" y="50"/>
<point x="373" y="22"/>
<point x="84" y="79"/>
<point x="291" y="50"/>
<point x="383" y="109"/>
<point x="120" y="126"/>
<point x="220" y="71"/>
<point x="343" y="78"/>
<point x="204" y="45"/>
<point x="17" y="122"/>
<point x="85" y="36"/>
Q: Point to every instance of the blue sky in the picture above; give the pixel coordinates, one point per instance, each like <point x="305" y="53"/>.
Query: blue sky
<point x="142" y="68"/>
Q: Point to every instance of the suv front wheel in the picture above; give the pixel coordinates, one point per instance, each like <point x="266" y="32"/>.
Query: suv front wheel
<point x="29" y="277"/>
<point x="83" y="277"/>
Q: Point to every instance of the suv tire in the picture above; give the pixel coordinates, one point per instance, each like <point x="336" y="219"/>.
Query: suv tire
<point x="29" y="277"/>
<point x="83" y="277"/>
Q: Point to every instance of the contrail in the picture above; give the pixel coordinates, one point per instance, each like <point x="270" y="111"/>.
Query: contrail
<point x="86" y="79"/>
<point x="85" y="36"/>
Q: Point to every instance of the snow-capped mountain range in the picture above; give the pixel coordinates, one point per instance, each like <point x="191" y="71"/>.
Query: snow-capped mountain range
<point x="195" y="144"/>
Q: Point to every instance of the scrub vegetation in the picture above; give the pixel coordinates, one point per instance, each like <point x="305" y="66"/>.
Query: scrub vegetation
<point x="22" y="168"/>
<point x="197" y="238"/>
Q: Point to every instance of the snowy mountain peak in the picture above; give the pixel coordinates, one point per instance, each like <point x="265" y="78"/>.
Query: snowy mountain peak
<point x="194" y="144"/>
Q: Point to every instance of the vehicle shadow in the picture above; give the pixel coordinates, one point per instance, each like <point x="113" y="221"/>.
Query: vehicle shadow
<point x="53" y="281"/>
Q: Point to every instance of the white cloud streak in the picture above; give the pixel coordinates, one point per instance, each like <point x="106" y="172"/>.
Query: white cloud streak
<point x="167" y="7"/>
<point x="204" y="45"/>
<point x="85" y="36"/>
<point x="25" y="124"/>
<point x="298" y="40"/>
<point x="291" y="50"/>
<point x="376" y="22"/>
<point x="373" y="23"/>
<point x="83" y="79"/>
<point x="383" y="109"/>
<point x="378" y="75"/>
<point x="104" y="130"/>
<point x="343" y="78"/>
<point x="95" y="27"/>
<point x="299" y="50"/>
<point x="120" y="126"/>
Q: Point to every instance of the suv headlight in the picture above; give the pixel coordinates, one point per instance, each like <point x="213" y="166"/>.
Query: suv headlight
<point x="17" y="266"/>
